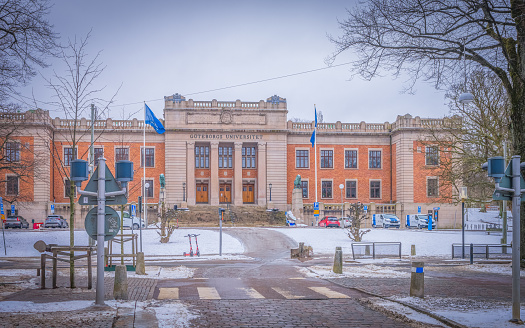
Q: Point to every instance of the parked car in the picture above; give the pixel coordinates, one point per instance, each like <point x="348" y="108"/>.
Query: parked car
<point x="385" y="221"/>
<point x="330" y="222"/>
<point x="345" y="222"/>
<point x="131" y="221"/>
<point x="55" y="221"/>
<point x="419" y="220"/>
<point x="16" y="221"/>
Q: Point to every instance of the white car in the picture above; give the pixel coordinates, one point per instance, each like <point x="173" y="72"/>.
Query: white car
<point x="419" y="221"/>
<point x="385" y="221"/>
<point x="132" y="222"/>
<point x="345" y="222"/>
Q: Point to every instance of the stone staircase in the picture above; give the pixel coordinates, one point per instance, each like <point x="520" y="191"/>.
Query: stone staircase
<point x="238" y="216"/>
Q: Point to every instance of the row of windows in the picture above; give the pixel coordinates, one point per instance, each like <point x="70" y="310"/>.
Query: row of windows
<point x="374" y="158"/>
<point x="202" y="157"/>
<point x="375" y="188"/>
<point x="121" y="154"/>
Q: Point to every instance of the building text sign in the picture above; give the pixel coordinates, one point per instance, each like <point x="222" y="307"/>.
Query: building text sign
<point x="222" y="136"/>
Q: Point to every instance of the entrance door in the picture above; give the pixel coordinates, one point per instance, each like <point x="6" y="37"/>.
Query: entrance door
<point x="202" y="193"/>
<point x="225" y="193"/>
<point x="247" y="193"/>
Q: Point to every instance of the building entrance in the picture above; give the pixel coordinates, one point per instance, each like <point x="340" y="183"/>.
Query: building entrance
<point x="247" y="193"/>
<point x="225" y="193"/>
<point x="202" y="193"/>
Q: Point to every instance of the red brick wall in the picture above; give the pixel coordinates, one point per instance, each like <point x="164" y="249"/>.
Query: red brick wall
<point x="26" y="181"/>
<point x="252" y="173"/>
<point x="338" y="174"/>
<point x="225" y="173"/>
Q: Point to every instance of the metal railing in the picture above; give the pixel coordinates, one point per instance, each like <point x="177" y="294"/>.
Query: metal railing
<point x="483" y="250"/>
<point x="379" y="249"/>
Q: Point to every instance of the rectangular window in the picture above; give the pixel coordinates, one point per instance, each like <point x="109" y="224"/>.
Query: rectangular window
<point x="149" y="189"/>
<point x="432" y="187"/>
<point x="431" y="155"/>
<point x="12" y="185"/>
<point x="375" y="189"/>
<point x="304" y="187"/>
<point x="326" y="189"/>
<point x="351" y="189"/>
<point x="202" y="157"/>
<point x="301" y="159"/>
<point x="327" y="158"/>
<point x="225" y="157"/>
<point x="99" y="152"/>
<point x="350" y="159"/>
<point x="12" y="151"/>
<point x="248" y="157"/>
<point x="67" y="189"/>
<point x="374" y="159"/>
<point x="121" y="154"/>
<point x="69" y="156"/>
<point x="150" y="157"/>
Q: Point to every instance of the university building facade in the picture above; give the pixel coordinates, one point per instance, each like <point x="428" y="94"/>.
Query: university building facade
<point x="215" y="153"/>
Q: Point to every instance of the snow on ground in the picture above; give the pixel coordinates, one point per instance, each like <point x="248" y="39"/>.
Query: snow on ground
<point x="368" y="271"/>
<point x="20" y="243"/>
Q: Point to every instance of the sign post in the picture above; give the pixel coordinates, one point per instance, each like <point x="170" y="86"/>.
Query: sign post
<point x="3" y="222"/>
<point x="316" y="212"/>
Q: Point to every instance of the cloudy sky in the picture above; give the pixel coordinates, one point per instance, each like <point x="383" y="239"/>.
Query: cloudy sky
<point x="152" y="49"/>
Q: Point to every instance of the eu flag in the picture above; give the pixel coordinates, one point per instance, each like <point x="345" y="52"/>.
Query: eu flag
<point x="153" y="121"/>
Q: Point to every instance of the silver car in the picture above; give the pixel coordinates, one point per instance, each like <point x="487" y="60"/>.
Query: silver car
<point x="55" y="221"/>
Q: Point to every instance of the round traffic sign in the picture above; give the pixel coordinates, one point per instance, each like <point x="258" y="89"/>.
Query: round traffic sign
<point x="111" y="223"/>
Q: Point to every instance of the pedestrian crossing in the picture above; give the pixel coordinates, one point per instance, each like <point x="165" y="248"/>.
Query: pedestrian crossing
<point x="211" y="293"/>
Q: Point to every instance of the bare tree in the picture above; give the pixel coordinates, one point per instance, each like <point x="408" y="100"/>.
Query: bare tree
<point x="470" y="135"/>
<point x="357" y="215"/>
<point x="26" y="39"/>
<point x="429" y="39"/>
<point x="75" y="91"/>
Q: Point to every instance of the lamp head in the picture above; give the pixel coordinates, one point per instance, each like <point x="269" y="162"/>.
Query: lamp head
<point x="466" y="98"/>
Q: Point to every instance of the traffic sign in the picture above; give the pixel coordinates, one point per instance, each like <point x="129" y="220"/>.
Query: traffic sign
<point x="13" y="209"/>
<point x="506" y="182"/>
<point x="133" y="210"/>
<point x="316" y="206"/>
<point x="436" y="208"/>
<point x="111" y="223"/>
<point x="419" y="209"/>
<point x="111" y="185"/>
<point x="316" y="212"/>
<point x="1" y="206"/>
<point x="365" y="208"/>
<point x="52" y="208"/>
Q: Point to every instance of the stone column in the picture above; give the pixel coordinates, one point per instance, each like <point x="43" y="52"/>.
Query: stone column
<point x="214" y="173"/>
<point x="261" y="174"/>
<point x="190" y="173"/>
<point x="237" y="174"/>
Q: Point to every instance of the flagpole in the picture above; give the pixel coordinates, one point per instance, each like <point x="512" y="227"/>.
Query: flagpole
<point x="144" y="175"/>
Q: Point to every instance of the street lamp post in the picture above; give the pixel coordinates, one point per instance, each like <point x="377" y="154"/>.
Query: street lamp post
<point x="463" y="196"/>
<point x="146" y="187"/>
<point x="270" y="185"/>
<point x="341" y="186"/>
<point x="184" y="191"/>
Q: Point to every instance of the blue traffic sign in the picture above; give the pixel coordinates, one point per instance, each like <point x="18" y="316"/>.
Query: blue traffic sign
<point x="365" y="208"/>
<point x="419" y="209"/>
<point x="436" y="208"/>
<point x="1" y="206"/>
<point x="316" y="205"/>
<point x="52" y="208"/>
<point x="13" y="209"/>
<point x="133" y="210"/>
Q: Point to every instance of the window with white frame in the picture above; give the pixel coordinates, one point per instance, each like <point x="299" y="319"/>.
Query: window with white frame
<point x="304" y="187"/>
<point x="12" y="151"/>
<point x="432" y="155"/>
<point x="202" y="157"/>
<point x="351" y="188"/>
<point x="374" y="159"/>
<point x="147" y="155"/>
<point x="98" y="152"/>
<point x="149" y="188"/>
<point x="327" y="159"/>
<point x="69" y="156"/>
<point x="375" y="189"/>
<point x="432" y="187"/>
<point x="225" y="157"/>
<point x="67" y="188"/>
<point x="248" y="157"/>
<point x="326" y="189"/>
<point x="11" y="185"/>
<point x="121" y="154"/>
<point x="301" y="158"/>
<point x="350" y="159"/>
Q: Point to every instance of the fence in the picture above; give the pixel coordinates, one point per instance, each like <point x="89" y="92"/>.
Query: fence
<point x="483" y="250"/>
<point x="379" y="249"/>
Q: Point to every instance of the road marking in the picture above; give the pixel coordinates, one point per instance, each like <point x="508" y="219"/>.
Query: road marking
<point x="328" y="292"/>
<point x="168" y="293"/>
<point x="298" y="278"/>
<point x="286" y="294"/>
<point x="208" y="293"/>
<point x="252" y="293"/>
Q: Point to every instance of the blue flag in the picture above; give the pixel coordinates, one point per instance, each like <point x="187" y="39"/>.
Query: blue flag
<point x="153" y="121"/>
<point x="312" y="138"/>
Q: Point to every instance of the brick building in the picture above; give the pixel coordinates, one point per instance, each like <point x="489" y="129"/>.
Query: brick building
<point x="243" y="154"/>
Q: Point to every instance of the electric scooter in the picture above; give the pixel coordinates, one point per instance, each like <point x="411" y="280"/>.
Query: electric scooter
<point x="197" y="244"/>
<point x="191" y="248"/>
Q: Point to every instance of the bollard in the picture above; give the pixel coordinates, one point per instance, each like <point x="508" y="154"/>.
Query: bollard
<point x="417" y="280"/>
<point x="338" y="260"/>
<point x="413" y="250"/>
<point x="367" y="250"/>
<point x="301" y="250"/>
<point x="120" y="288"/>
<point x="141" y="267"/>
<point x="471" y="253"/>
